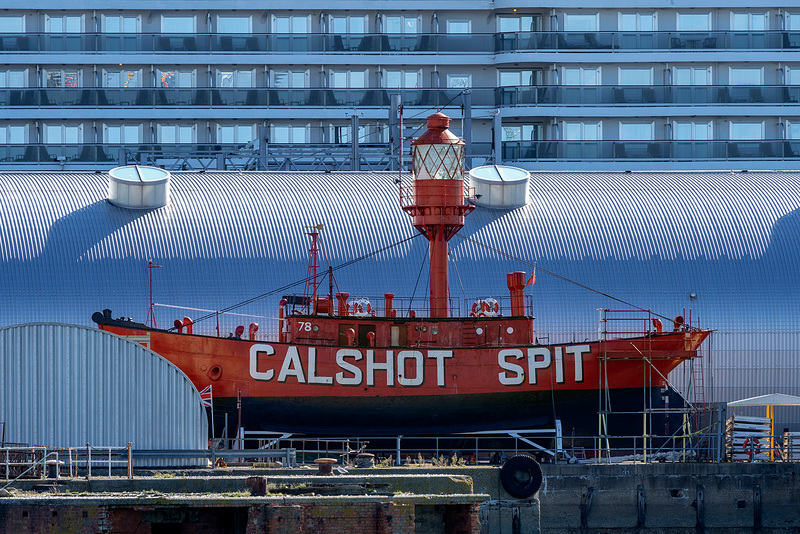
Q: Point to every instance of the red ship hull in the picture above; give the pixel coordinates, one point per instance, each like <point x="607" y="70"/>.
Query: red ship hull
<point x="412" y="390"/>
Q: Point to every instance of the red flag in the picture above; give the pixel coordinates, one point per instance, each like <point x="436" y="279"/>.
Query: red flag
<point x="532" y="279"/>
<point x="205" y="396"/>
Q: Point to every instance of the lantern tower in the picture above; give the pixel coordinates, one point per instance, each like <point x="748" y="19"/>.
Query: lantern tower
<point x="438" y="201"/>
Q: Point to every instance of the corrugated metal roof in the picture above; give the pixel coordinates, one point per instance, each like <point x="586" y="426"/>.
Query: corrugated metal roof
<point x="66" y="386"/>
<point x="651" y="239"/>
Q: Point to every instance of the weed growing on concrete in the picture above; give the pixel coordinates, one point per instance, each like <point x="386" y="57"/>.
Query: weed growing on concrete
<point x="386" y="462"/>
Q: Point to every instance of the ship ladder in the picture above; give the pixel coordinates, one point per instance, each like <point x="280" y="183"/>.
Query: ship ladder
<point x="468" y="335"/>
<point x="701" y="415"/>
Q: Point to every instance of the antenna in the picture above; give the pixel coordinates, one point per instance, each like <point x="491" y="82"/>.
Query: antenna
<point x="151" y="316"/>
<point x="311" y="274"/>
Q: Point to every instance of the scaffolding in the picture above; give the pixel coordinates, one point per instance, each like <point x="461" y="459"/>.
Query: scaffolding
<point x="691" y="414"/>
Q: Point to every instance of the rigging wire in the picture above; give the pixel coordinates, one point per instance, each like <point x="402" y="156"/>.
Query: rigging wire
<point x="385" y="128"/>
<point x="416" y="284"/>
<point x="560" y="277"/>
<point x="298" y="282"/>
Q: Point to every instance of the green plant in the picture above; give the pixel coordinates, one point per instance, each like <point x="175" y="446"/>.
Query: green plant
<point x="164" y="475"/>
<point x="386" y="462"/>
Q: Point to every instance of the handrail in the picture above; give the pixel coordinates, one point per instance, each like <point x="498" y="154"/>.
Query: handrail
<point x="44" y="458"/>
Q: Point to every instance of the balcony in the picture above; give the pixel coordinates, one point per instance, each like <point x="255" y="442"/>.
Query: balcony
<point x="226" y="97"/>
<point x="672" y="41"/>
<point x="475" y="43"/>
<point x="541" y="95"/>
<point x="635" y="95"/>
<point x="675" y="150"/>
<point x="334" y="156"/>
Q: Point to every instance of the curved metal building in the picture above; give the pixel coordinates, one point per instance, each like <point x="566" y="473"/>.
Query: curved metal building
<point x="67" y="385"/>
<point x="721" y="246"/>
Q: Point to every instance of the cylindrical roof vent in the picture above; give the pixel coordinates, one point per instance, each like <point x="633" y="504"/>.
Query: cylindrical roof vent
<point x="138" y="188"/>
<point x="500" y="186"/>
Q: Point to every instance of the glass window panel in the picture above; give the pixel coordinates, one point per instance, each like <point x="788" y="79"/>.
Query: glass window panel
<point x="745" y="76"/>
<point x="591" y="76"/>
<point x="72" y="24"/>
<point x="740" y="21"/>
<point x="627" y="22"/>
<point x="792" y="21"/>
<point x="411" y="79"/>
<point x="16" y="134"/>
<point x="682" y="131"/>
<point x="283" y="25"/>
<point x="280" y="79"/>
<point x="746" y="131"/>
<point x="299" y="25"/>
<point x="793" y="130"/>
<point x="574" y="22"/>
<point x="459" y="26"/>
<point x="12" y="24"/>
<point x="232" y="24"/>
<point x="393" y="79"/>
<point x="176" y="24"/>
<point x="12" y="78"/>
<point x="281" y="134"/>
<point x="394" y="25"/>
<point x="339" y="80"/>
<point x="410" y="25"/>
<point x="572" y="76"/>
<point x="633" y="131"/>
<point x="358" y="25"/>
<point x="130" y="133"/>
<point x="512" y="133"/>
<point x="509" y="79"/>
<point x="508" y="24"/>
<point x="459" y="81"/>
<point x="572" y="131"/>
<point x="53" y="134"/>
<point x="298" y="79"/>
<point x="62" y="78"/>
<point x="120" y="24"/>
<point x="72" y="134"/>
<point x="694" y="22"/>
<point x="358" y="79"/>
<point x="628" y="76"/>
<point x="702" y="131"/>
<point x="339" y="25"/>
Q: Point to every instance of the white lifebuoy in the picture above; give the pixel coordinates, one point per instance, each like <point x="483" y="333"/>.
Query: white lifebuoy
<point x="485" y="308"/>
<point x="360" y="307"/>
<point x="751" y="447"/>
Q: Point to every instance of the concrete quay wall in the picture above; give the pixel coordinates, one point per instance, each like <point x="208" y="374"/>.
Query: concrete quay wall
<point x="671" y="497"/>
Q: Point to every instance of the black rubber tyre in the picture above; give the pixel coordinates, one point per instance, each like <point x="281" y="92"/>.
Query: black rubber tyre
<point x="521" y="476"/>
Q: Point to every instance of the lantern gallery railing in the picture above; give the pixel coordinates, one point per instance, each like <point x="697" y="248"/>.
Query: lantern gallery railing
<point x="476" y="43"/>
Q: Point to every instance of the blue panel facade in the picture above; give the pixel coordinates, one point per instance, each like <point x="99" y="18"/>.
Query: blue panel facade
<point x="721" y="246"/>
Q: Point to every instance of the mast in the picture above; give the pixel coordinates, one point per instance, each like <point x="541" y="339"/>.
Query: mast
<point x="438" y="203"/>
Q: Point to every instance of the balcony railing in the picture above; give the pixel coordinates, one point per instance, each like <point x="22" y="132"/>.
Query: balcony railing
<point x="677" y="41"/>
<point x="482" y="43"/>
<point x="540" y="95"/>
<point x="627" y="95"/>
<point x="674" y="150"/>
<point x="223" y="97"/>
<point x="378" y="156"/>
